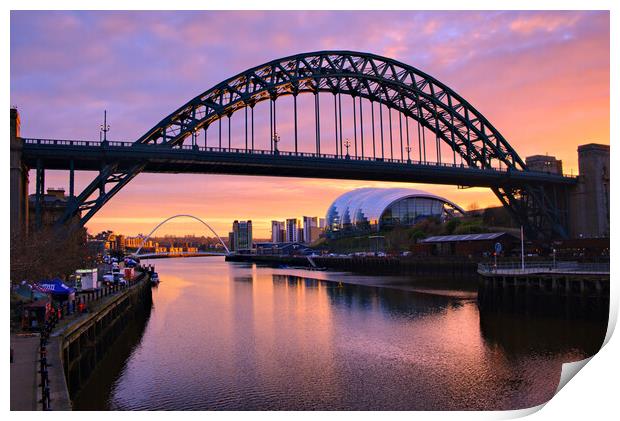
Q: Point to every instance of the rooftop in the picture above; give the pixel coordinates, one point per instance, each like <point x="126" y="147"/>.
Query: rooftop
<point x="464" y="237"/>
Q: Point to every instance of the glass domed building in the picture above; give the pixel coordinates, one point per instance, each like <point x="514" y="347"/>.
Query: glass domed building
<point x="376" y="208"/>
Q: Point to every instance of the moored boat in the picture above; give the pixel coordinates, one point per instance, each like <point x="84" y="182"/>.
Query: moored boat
<point x="154" y="278"/>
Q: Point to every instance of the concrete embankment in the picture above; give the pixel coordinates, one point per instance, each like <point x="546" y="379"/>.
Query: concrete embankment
<point x="84" y="343"/>
<point x="572" y="295"/>
<point x="455" y="268"/>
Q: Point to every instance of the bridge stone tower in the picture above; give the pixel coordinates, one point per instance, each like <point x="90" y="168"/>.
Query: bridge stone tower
<point x="589" y="200"/>
<point x="19" y="180"/>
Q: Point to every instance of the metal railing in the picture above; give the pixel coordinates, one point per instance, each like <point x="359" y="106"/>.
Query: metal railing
<point x="540" y="267"/>
<point x="275" y="152"/>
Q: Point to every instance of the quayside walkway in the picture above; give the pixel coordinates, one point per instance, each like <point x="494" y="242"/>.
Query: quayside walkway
<point x="37" y="371"/>
<point x="551" y="268"/>
<point x="571" y="279"/>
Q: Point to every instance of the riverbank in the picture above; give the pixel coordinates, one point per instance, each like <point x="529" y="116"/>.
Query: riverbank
<point x="572" y="291"/>
<point x="59" y="364"/>
<point x="428" y="266"/>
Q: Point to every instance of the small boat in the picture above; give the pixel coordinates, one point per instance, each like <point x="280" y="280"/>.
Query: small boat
<point x="154" y="278"/>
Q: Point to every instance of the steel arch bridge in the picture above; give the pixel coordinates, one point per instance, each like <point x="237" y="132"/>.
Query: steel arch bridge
<point x="438" y="136"/>
<point x="183" y="215"/>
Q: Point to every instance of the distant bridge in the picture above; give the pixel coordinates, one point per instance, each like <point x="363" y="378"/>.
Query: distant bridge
<point x="400" y="124"/>
<point x="179" y="254"/>
<point x="145" y="239"/>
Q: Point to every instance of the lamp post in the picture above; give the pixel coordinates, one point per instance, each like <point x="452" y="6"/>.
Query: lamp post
<point x="195" y="139"/>
<point x="347" y="144"/>
<point x="276" y="139"/>
<point x="408" y="154"/>
<point x="377" y="237"/>
<point x="104" y="128"/>
<point x="522" y="251"/>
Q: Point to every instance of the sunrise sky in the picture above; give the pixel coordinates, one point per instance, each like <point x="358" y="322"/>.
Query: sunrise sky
<point x="542" y="79"/>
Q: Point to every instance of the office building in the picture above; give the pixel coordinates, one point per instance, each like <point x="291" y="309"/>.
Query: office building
<point x="241" y="235"/>
<point x="544" y="163"/>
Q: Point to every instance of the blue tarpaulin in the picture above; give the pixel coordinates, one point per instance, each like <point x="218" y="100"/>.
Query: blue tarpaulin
<point x="56" y="287"/>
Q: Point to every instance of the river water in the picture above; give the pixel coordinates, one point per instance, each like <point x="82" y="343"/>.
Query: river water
<point x="233" y="336"/>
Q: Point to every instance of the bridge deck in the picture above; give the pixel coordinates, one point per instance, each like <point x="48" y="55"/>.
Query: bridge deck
<point x="88" y="156"/>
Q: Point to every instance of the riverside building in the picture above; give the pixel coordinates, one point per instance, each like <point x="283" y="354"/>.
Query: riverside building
<point x="240" y="238"/>
<point x="376" y="208"/>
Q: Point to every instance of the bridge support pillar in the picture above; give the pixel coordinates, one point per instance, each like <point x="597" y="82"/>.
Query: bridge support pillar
<point x="71" y="180"/>
<point x="40" y="191"/>
<point x="19" y="180"/>
<point x="590" y="198"/>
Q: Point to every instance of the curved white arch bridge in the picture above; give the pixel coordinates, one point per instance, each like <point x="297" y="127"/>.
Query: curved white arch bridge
<point x="145" y="239"/>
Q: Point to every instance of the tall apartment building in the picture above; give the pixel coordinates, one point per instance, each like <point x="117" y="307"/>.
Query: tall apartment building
<point x="310" y="229"/>
<point x="292" y="230"/>
<point x="231" y="241"/>
<point x="300" y="233"/>
<point x="241" y="235"/>
<point x="278" y="233"/>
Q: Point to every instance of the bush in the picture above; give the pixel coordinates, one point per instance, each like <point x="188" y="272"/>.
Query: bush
<point x="470" y="228"/>
<point x="451" y="225"/>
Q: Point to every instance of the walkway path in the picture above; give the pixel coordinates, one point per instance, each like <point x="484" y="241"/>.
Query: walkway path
<point x="24" y="380"/>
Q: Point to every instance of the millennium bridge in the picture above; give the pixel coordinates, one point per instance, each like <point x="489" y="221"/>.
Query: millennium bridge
<point x="399" y="123"/>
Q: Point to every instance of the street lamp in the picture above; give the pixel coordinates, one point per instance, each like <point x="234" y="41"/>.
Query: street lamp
<point x="276" y="139"/>
<point x="347" y="144"/>
<point x="408" y="154"/>
<point x="377" y="237"/>
<point x="104" y="128"/>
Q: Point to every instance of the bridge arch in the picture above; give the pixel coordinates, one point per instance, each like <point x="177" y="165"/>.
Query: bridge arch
<point x="145" y="239"/>
<point x="381" y="80"/>
<point x="537" y="203"/>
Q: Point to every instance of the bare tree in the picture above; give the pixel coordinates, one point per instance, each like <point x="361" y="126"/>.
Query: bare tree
<point x="45" y="254"/>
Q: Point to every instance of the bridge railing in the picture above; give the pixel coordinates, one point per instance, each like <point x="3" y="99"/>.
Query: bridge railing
<point x="515" y="268"/>
<point x="214" y="149"/>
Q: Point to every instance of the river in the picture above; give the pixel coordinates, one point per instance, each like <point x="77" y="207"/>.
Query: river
<point x="233" y="336"/>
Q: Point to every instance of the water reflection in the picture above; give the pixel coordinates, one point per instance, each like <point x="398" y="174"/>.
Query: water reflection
<point x="235" y="336"/>
<point x="95" y="395"/>
<point x="519" y="334"/>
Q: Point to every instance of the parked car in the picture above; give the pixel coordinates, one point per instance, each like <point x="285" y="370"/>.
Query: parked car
<point x="114" y="278"/>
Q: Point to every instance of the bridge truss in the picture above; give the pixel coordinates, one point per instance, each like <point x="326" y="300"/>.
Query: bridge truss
<point x="414" y="121"/>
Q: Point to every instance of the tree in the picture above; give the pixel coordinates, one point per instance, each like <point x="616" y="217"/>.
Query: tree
<point x="45" y="254"/>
